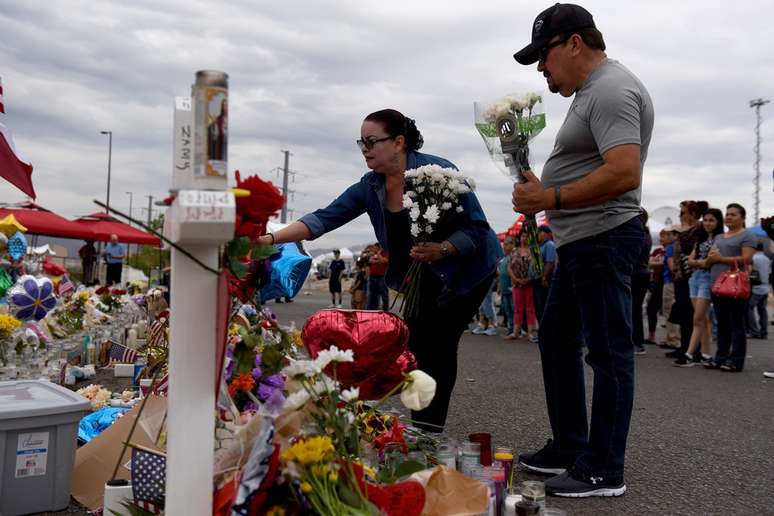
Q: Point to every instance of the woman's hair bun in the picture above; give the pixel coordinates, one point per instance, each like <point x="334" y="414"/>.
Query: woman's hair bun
<point x="396" y="124"/>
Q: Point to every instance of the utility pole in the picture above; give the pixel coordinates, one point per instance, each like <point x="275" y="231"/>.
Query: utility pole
<point x="756" y="104"/>
<point x="150" y="208"/>
<point x="110" y="159"/>
<point x="285" y="173"/>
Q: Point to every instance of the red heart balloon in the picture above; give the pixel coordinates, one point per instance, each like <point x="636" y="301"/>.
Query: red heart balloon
<point x="379" y="341"/>
<point x="398" y="499"/>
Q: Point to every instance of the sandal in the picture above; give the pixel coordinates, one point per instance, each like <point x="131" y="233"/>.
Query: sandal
<point x="730" y="369"/>
<point x="711" y="365"/>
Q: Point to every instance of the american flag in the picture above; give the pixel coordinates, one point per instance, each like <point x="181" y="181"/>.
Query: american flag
<point x="66" y="286"/>
<point x="149" y="474"/>
<point x="120" y="354"/>
<point x="157" y="333"/>
<point x="162" y="386"/>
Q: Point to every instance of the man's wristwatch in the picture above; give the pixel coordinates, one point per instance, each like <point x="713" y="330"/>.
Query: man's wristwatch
<point x="444" y="249"/>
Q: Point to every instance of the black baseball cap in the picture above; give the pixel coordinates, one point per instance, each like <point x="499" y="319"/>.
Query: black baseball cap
<point x="557" y="19"/>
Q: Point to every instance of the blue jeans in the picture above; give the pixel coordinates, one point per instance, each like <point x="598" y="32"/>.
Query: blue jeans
<point x="377" y="291"/>
<point x="506" y="305"/>
<point x="590" y="302"/>
<point x="487" y="308"/>
<point x="759" y="327"/>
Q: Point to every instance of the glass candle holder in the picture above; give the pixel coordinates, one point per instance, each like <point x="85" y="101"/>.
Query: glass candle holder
<point x="485" y="440"/>
<point x="534" y="491"/>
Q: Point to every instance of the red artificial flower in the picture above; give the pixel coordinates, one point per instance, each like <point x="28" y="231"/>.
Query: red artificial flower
<point x="243" y="382"/>
<point x="241" y="289"/>
<point x="118" y="292"/>
<point x="393" y="435"/>
<point x="102" y="290"/>
<point x="264" y="200"/>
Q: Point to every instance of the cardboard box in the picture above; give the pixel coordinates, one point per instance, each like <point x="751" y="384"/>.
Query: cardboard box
<point x="95" y="461"/>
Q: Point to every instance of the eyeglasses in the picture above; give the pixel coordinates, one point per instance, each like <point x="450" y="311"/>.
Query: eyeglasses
<point x="369" y="143"/>
<point x="543" y="52"/>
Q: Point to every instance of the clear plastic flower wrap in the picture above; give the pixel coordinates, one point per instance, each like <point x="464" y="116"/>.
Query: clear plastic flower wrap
<point x="507" y="125"/>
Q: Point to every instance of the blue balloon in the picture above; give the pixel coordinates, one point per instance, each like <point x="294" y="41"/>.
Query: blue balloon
<point x="289" y="271"/>
<point x="17" y="246"/>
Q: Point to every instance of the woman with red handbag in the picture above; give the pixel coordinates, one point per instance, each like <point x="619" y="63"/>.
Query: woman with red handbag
<point x="732" y="250"/>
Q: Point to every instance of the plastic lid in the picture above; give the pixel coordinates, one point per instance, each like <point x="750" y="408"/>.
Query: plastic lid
<point x="25" y="398"/>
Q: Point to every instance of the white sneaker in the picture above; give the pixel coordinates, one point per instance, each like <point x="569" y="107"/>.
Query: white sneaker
<point x="490" y="331"/>
<point x="338" y="305"/>
<point x="478" y="330"/>
<point x="769" y="374"/>
<point x="331" y="305"/>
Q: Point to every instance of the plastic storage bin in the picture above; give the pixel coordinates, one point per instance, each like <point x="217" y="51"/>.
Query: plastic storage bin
<point x="38" y="437"/>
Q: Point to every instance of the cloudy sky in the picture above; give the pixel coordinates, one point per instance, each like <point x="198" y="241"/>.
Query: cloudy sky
<point x="303" y="75"/>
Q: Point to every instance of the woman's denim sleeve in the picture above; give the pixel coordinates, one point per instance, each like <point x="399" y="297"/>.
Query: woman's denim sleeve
<point x="468" y="238"/>
<point x="346" y="207"/>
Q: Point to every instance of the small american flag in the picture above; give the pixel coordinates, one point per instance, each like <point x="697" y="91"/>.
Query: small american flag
<point x="120" y="354"/>
<point x="162" y="386"/>
<point x="66" y="286"/>
<point x="149" y="474"/>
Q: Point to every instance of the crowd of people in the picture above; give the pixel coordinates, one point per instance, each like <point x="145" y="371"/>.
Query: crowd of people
<point x="672" y="279"/>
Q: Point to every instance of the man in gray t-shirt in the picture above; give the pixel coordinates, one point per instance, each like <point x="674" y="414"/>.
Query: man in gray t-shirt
<point x="590" y="188"/>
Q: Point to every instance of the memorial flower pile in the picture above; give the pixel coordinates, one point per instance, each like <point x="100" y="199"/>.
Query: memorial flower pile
<point x="431" y="196"/>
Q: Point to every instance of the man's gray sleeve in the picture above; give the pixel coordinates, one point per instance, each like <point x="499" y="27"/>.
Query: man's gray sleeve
<point x="615" y="116"/>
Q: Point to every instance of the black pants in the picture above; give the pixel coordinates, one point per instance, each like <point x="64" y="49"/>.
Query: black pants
<point x="540" y="295"/>
<point x="655" y="301"/>
<point x="434" y="339"/>
<point x="639" y="289"/>
<point x="113" y="275"/>
<point x="732" y="341"/>
<point x="682" y="313"/>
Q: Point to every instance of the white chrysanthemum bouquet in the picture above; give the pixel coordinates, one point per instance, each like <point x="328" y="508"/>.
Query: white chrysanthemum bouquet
<point x="432" y="193"/>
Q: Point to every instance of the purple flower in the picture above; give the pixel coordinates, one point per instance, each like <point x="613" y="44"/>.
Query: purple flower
<point x="276" y="380"/>
<point x="257" y="373"/>
<point x="258" y="360"/>
<point x="230" y="362"/>
<point x="269" y="386"/>
<point x="274" y="403"/>
<point x="250" y="405"/>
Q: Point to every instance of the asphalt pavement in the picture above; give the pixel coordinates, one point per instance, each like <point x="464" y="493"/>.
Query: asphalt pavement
<point x="701" y="441"/>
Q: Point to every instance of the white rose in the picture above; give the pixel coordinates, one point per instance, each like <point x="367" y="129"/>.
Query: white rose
<point x="414" y="213"/>
<point x="407" y="202"/>
<point x="446" y="206"/>
<point x="419" y="390"/>
<point x="460" y="209"/>
<point x="415" y="230"/>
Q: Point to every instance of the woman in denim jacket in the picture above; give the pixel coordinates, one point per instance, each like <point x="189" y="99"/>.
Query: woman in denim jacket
<point x="463" y="261"/>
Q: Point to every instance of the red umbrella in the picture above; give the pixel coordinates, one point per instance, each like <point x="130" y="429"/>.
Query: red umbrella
<point x="40" y="221"/>
<point x="103" y="226"/>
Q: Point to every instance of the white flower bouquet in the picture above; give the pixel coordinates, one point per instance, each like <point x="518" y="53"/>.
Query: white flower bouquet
<point x="431" y="194"/>
<point x="507" y="125"/>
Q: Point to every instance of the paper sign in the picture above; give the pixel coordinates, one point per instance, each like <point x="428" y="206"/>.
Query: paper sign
<point x="182" y="173"/>
<point x="31" y="454"/>
<point x="206" y="206"/>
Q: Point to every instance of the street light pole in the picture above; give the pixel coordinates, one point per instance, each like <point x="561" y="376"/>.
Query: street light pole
<point x="129" y="246"/>
<point x="756" y="104"/>
<point x="110" y="157"/>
